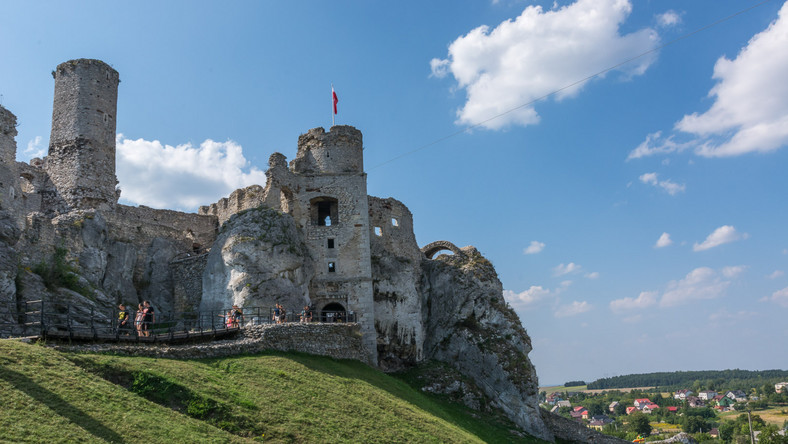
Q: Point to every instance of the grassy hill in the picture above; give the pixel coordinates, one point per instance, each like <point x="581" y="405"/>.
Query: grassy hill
<point x="50" y="396"/>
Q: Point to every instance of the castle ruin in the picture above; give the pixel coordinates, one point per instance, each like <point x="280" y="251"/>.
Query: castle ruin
<point x="311" y="235"/>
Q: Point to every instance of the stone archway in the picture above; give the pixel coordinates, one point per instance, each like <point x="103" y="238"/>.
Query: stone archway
<point x="333" y="312"/>
<point x="431" y="249"/>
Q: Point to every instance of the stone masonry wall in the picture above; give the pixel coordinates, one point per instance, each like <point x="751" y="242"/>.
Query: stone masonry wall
<point x="338" y="341"/>
<point x="140" y="225"/>
<point x="239" y="200"/>
<point x="10" y="193"/>
<point x="396" y="278"/>
<point x="187" y="282"/>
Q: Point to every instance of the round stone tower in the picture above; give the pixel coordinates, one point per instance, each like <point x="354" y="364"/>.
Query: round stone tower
<point x="339" y="151"/>
<point x="81" y="160"/>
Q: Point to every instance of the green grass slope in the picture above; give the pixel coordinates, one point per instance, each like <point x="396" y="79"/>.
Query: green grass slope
<point x="49" y="396"/>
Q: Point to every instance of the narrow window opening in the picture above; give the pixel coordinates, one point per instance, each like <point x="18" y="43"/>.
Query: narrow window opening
<point x="378" y="231"/>
<point x="394" y="222"/>
<point x="331" y="243"/>
<point x="332" y="267"/>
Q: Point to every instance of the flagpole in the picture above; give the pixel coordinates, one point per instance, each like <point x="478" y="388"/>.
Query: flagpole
<point x="332" y="105"/>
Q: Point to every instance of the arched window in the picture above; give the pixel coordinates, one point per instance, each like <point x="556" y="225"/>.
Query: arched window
<point x="324" y="211"/>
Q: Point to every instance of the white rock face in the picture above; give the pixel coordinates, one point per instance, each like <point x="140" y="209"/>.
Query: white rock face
<point x="258" y="260"/>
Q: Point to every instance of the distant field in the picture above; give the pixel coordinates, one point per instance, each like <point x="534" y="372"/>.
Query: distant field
<point x="583" y="388"/>
<point x="771" y="416"/>
<point x="561" y="388"/>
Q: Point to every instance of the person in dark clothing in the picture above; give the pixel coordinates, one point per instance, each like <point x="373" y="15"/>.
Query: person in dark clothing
<point x="149" y="319"/>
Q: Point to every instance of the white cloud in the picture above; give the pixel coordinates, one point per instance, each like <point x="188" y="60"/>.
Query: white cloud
<point x="722" y="235"/>
<point x="538" y="53"/>
<point x="663" y="241"/>
<point x="780" y="297"/>
<point x="527" y="298"/>
<point x="562" y="269"/>
<point x="775" y="274"/>
<point x="644" y="300"/>
<point x="593" y="275"/>
<point x="750" y="109"/>
<point x="534" y="248"/>
<point x="733" y="271"/>
<point x="575" y="308"/>
<point x="668" y="18"/>
<point x="655" y="144"/>
<point x="184" y="176"/>
<point x="700" y="283"/>
<point x="34" y="149"/>
<point x="670" y="187"/>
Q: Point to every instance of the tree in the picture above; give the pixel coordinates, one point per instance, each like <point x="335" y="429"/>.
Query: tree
<point x="769" y="435"/>
<point x="638" y="423"/>
<point x="726" y="429"/>
<point x="620" y="409"/>
<point x="695" y="424"/>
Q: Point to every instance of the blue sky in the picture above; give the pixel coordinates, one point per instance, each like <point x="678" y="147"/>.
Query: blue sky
<point x="636" y="220"/>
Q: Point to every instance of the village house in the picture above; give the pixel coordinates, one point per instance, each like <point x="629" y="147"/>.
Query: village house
<point x="599" y="421"/>
<point x="682" y="394"/>
<point x="631" y="409"/>
<point x="694" y="401"/>
<point x="648" y="408"/>
<point x="737" y="395"/>
<point x="642" y="402"/>
<point x="780" y="386"/>
<point x="612" y="407"/>
<point x="707" y="395"/>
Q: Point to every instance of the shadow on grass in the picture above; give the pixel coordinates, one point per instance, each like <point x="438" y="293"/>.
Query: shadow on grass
<point x="59" y="405"/>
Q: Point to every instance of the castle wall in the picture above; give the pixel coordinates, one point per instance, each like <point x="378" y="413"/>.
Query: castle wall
<point x="140" y="225"/>
<point x="10" y="193"/>
<point x="241" y="199"/>
<point x="81" y="160"/>
<point x="396" y="277"/>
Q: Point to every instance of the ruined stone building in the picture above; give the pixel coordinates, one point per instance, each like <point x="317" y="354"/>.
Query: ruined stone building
<point x="311" y="235"/>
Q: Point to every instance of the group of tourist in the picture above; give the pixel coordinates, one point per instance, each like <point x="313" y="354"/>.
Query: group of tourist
<point x="234" y="318"/>
<point x="280" y="314"/>
<point x="144" y="318"/>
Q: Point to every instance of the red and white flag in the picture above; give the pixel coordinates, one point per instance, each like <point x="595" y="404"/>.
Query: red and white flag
<point x="334" y="97"/>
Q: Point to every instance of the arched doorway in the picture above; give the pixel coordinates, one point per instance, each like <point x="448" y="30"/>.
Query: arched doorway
<point x="333" y="312"/>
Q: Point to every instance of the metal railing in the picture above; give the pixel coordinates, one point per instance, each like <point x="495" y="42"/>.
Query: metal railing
<point x="56" y="319"/>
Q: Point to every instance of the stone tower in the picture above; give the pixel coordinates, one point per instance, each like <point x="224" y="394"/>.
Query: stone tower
<point x="335" y="218"/>
<point x="81" y="160"/>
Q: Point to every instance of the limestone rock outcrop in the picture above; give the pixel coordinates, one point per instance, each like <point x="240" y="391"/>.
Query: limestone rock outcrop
<point x="259" y="259"/>
<point x="470" y="327"/>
